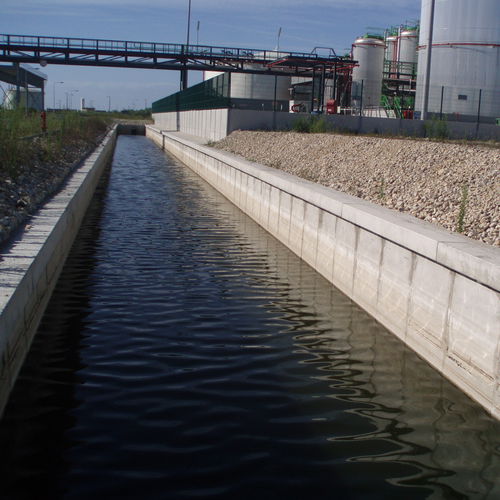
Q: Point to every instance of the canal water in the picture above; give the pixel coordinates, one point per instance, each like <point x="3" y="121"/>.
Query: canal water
<point x="187" y="354"/>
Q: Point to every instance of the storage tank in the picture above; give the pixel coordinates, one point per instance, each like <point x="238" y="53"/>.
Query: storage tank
<point x="408" y="46"/>
<point x="256" y="87"/>
<point x="465" y="60"/>
<point x="35" y="99"/>
<point x="391" y="52"/>
<point x="248" y="86"/>
<point x="369" y="52"/>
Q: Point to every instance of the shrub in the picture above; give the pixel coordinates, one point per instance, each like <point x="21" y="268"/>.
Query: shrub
<point x="311" y="124"/>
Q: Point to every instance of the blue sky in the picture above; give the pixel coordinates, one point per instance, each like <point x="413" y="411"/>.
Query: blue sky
<point x="253" y="24"/>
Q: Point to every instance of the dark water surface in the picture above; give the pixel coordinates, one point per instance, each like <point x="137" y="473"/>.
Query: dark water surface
<point x="187" y="354"/>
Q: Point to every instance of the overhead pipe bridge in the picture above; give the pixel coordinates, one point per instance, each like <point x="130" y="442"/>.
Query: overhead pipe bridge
<point x="167" y="56"/>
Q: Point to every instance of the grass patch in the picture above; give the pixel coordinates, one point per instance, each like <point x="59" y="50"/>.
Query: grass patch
<point x="311" y="125"/>
<point x="22" y="141"/>
<point x="436" y="129"/>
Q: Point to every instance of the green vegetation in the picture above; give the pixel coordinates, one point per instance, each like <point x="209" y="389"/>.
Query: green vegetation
<point x="126" y="114"/>
<point x="23" y="142"/>
<point x="311" y="125"/>
<point x="463" y="208"/>
<point x="381" y="192"/>
<point x="436" y="129"/>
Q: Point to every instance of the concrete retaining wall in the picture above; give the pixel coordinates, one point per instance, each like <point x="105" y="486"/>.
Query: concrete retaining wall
<point x="215" y="124"/>
<point x="31" y="264"/>
<point x="211" y="124"/>
<point x="437" y="291"/>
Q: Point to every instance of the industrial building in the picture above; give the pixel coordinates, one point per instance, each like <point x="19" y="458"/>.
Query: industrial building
<point x="446" y="66"/>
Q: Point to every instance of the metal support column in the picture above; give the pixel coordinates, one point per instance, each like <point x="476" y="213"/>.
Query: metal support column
<point x="322" y="89"/>
<point x="334" y="86"/>
<point x="312" y="89"/>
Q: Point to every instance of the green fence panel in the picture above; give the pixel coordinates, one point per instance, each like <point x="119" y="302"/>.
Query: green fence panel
<point x="210" y="94"/>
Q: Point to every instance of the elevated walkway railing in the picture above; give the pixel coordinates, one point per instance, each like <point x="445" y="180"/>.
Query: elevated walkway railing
<point x="158" y="55"/>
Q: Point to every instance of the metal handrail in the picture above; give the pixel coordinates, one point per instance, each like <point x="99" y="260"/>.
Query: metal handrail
<point x="156" y="48"/>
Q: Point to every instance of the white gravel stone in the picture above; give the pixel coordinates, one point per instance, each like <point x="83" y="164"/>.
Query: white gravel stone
<point x="424" y="178"/>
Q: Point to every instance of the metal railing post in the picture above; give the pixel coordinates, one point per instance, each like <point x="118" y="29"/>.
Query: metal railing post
<point x="441" y="107"/>
<point x="361" y="100"/>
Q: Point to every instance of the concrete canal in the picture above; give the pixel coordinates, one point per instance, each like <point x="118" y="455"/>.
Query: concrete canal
<point x="186" y="353"/>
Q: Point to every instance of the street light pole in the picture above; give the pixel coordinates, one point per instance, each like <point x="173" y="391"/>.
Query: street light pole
<point x="189" y="21"/>
<point x="109" y="103"/>
<point x="184" y="73"/>
<point x="55" y="93"/>
<point x="71" y="98"/>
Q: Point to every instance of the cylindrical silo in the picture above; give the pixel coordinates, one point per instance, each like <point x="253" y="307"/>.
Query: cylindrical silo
<point x="262" y="87"/>
<point x="367" y="76"/>
<point x="408" y="42"/>
<point x="391" y="53"/>
<point x="256" y="87"/>
<point x="464" y="77"/>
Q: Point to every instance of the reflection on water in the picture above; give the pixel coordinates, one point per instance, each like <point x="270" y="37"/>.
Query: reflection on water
<point x="187" y="354"/>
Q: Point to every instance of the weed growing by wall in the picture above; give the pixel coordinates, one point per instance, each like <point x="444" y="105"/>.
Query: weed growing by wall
<point x="311" y="125"/>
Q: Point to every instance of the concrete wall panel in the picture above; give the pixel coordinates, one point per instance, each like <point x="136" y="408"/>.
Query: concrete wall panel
<point x="429" y="302"/>
<point x="367" y="270"/>
<point x="285" y="214"/>
<point x="310" y="234"/>
<point x="471" y="303"/>
<point x="326" y="244"/>
<point x="297" y="225"/>
<point x="345" y="256"/>
<point x="394" y="287"/>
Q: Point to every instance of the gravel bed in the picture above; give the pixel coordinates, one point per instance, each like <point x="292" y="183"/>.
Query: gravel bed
<point x="434" y="181"/>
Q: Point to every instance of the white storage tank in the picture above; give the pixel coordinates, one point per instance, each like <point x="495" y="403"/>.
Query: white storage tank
<point x="369" y="52"/>
<point x="261" y="87"/>
<point x="248" y="86"/>
<point x="465" y="60"/>
<point x="408" y="42"/>
<point x="34" y="96"/>
<point x="391" y="52"/>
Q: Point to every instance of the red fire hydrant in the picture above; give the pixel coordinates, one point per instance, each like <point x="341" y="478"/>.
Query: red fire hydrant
<point x="43" y="116"/>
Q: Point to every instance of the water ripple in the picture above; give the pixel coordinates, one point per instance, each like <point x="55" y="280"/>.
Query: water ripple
<point x="187" y="354"/>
